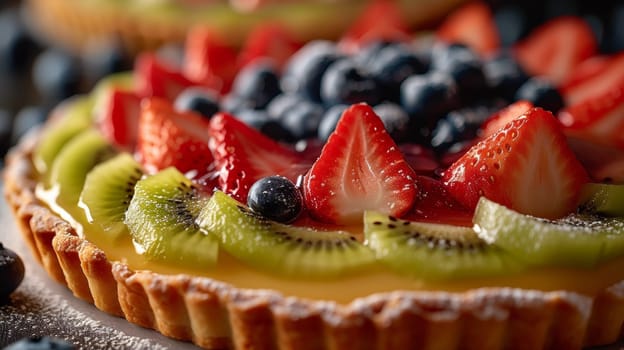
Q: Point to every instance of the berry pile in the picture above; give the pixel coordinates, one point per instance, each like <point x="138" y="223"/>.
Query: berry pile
<point x="435" y="95"/>
<point x="429" y="105"/>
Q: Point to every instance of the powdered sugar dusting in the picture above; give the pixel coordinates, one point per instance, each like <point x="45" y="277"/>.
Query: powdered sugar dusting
<point x="43" y="307"/>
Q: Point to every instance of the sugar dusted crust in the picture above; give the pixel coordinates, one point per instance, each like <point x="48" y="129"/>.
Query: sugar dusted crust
<point x="216" y="315"/>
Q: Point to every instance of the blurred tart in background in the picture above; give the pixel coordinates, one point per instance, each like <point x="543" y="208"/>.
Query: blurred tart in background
<point x="147" y="24"/>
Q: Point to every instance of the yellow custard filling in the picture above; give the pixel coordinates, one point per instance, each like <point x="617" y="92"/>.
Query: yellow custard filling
<point x="377" y="280"/>
<point x="345" y="289"/>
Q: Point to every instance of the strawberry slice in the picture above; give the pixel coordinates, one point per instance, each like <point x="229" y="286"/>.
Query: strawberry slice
<point x="210" y="59"/>
<point x="526" y="166"/>
<point x="473" y="25"/>
<point x="167" y="138"/>
<point x="594" y="77"/>
<point x="380" y="20"/>
<point x="360" y="168"/>
<point x="554" y="49"/>
<point x="243" y="155"/>
<point x="156" y="78"/>
<point x="603" y="163"/>
<point x="434" y="204"/>
<point x="118" y="118"/>
<point x="271" y="40"/>
<point x="501" y="118"/>
<point x="600" y="118"/>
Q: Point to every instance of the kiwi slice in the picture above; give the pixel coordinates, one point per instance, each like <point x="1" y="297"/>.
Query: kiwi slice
<point x="280" y="248"/>
<point x="161" y="220"/>
<point x="576" y="240"/>
<point x="433" y="251"/>
<point x="70" y="168"/>
<point x="101" y="91"/>
<point x="75" y="118"/>
<point x="107" y="192"/>
<point x="602" y="199"/>
<point x="120" y="80"/>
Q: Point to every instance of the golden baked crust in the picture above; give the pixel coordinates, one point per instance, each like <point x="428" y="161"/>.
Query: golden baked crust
<point x="216" y="315"/>
<point x="76" y="24"/>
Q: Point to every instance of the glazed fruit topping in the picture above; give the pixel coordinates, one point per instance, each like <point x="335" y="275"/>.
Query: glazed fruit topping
<point x="243" y="155"/>
<point x="170" y="138"/>
<point x="473" y="25"/>
<point x="600" y="118"/>
<point x="554" y="49"/>
<point x="360" y="168"/>
<point x="408" y="138"/>
<point x="526" y="166"/>
<point x="276" y="198"/>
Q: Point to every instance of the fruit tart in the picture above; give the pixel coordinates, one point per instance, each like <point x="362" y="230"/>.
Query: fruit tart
<point x="387" y="191"/>
<point x="142" y="25"/>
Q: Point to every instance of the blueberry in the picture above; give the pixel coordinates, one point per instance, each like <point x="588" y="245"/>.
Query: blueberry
<point x="199" y="100"/>
<point x="283" y="102"/>
<point x="541" y="93"/>
<point x="40" y="343"/>
<point x="329" y="120"/>
<point x="262" y="122"/>
<point x="395" y="119"/>
<point x="56" y="75"/>
<point x="234" y="104"/>
<point x="443" y="54"/>
<point x="392" y="65"/>
<point x="6" y="126"/>
<point x="346" y="82"/>
<point x="305" y="69"/>
<point x="427" y="97"/>
<point x="367" y="54"/>
<point x="11" y="272"/>
<point x="458" y="126"/>
<point x="302" y="120"/>
<point x="257" y="83"/>
<point x="276" y="198"/>
<point x="504" y="75"/>
<point x="17" y="47"/>
<point x="443" y="136"/>
<point x="102" y="58"/>
<point x="27" y="118"/>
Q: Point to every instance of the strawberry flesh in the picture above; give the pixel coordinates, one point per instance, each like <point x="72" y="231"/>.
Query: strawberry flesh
<point x="526" y="166"/>
<point x="167" y="138"/>
<point x="600" y="119"/>
<point x="501" y="118"/>
<point x="381" y="20"/>
<point x="156" y="78"/>
<point x="594" y="77"/>
<point x="554" y="49"/>
<point x="243" y="155"/>
<point x="434" y="204"/>
<point x="210" y="59"/>
<point x="360" y="168"/>
<point x="472" y="25"/>
<point x="269" y="40"/>
<point x="119" y="118"/>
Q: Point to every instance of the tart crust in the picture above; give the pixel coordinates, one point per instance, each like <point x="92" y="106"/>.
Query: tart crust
<point x="216" y="315"/>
